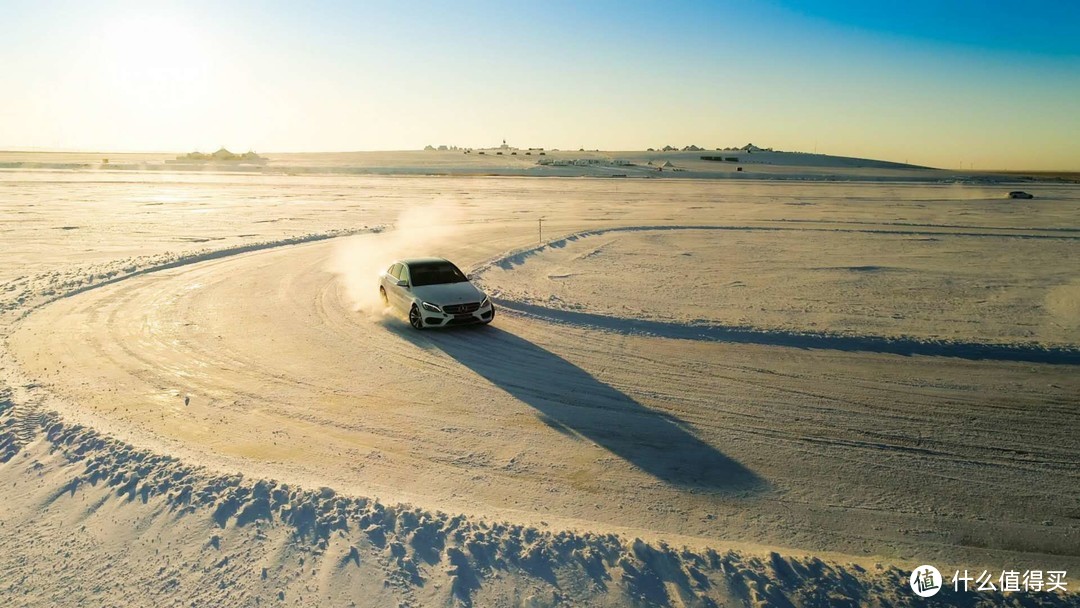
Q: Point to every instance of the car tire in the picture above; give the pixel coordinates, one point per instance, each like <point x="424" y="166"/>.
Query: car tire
<point x="382" y="295"/>
<point x="415" y="318"/>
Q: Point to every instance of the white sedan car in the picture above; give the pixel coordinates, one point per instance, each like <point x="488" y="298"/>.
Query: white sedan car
<point x="434" y="293"/>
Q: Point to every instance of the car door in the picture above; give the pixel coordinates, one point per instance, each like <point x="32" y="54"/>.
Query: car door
<point x="404" y="295"/>
<point x="389" y="283"/>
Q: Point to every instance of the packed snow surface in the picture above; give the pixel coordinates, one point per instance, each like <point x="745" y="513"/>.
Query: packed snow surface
<point x="850" y="280"/>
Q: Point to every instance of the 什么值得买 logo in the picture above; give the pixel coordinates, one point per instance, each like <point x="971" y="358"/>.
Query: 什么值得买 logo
<point x="925" y="581"/>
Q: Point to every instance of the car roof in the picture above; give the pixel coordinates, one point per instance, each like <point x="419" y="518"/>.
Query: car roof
<point x="411" y="261"/>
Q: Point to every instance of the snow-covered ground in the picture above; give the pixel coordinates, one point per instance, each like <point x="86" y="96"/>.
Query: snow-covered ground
<point x="695" y="393"/>
<point x="920" y="283"/>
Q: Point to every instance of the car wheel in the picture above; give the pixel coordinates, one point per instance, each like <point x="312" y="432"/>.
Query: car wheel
<point x="415" y="319"/>
<point x="382" y="294"/>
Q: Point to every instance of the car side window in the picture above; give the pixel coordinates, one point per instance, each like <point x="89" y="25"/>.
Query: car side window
<point x="403" y="274"/>
<point x="394" y="271"/>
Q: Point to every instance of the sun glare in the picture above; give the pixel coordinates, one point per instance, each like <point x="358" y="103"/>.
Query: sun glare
<point x="154" y="63"/>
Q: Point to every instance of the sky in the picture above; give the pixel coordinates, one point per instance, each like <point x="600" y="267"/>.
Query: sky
<point x="973" y="85"/>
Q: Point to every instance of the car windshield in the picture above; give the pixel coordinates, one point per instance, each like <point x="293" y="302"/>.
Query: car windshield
<point x="435" y="273"/>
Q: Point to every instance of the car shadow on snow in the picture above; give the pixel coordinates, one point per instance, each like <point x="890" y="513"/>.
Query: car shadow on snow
<point x="573" y="402"/>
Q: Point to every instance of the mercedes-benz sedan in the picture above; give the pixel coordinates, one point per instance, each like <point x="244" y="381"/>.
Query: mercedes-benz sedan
<point x="434" y="293"/>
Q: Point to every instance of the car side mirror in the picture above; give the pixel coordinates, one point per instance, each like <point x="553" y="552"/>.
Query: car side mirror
<point x="402" y="283"/>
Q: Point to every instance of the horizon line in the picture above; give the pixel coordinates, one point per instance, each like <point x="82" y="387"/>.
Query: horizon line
<point x="45" y="150"/>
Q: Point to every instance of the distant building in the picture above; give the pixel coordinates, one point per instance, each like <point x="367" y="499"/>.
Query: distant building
<point x="222" y="155"/>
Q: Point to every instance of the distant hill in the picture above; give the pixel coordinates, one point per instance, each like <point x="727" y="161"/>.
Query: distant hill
<point x="690" y="163"/>
<point x="807" y="159"/>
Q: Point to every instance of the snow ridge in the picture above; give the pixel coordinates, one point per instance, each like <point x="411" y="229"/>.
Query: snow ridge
<point x="29" y="293"/>
<point x="417" y="547"/>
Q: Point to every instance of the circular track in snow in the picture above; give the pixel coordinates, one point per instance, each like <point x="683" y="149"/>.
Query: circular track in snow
<point x="260" y="362"/>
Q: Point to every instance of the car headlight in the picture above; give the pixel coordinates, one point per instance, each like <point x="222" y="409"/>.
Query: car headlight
<point x="430" y="306"/>
<point x="486" y="302"/>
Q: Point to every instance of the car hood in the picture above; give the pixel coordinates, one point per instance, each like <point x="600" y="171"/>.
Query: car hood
<point x="449" y="293"/>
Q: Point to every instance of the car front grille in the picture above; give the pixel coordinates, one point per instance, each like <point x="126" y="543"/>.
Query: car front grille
<point x="456" y="309"/>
